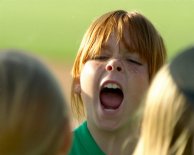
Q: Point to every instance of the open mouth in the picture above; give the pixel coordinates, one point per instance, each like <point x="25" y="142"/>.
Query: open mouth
<point x="111" y="96"/>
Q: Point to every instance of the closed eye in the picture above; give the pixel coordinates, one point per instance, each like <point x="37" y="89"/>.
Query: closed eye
<point x="135" y="62"/>
<point x="100" y="57"/>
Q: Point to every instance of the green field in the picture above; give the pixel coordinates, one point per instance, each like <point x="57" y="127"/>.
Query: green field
<point x="53" y="28"/>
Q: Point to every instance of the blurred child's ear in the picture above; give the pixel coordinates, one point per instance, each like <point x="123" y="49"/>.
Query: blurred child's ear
<point x="77" y="86"/>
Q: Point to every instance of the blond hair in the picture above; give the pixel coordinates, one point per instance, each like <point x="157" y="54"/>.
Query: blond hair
<point x="144" y="40"/>
<point x="33" y="112"/>
<point x="167" y="121"/>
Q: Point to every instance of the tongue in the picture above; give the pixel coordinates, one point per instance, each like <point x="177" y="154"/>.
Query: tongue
<point x="111" y="100"/>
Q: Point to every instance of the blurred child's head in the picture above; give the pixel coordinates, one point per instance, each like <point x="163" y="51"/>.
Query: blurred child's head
<point x="132" y="29"/>
<point x="168" y="121"/>
<point x="33" y="112"/>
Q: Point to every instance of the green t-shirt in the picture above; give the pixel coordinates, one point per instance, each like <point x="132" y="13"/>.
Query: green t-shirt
<point x="83" y="142"/>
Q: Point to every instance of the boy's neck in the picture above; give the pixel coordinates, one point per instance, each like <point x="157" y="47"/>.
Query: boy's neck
<point x="118" y="142"/>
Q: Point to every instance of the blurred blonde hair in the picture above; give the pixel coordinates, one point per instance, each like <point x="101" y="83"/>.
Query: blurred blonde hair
<point x="33" y="113"/>
<point x="144" y="40"/>
<point x="168" y="119"/>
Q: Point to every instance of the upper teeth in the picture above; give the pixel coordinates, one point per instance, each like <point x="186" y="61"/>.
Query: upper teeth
<point x="111" y="85"/>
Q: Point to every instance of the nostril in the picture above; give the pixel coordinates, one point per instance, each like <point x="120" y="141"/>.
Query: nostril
<point x="119" y="68"/>
<point x="109" y="68"/>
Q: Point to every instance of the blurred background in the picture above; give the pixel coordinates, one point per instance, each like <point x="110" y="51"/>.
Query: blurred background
<point x="53" y="29"/>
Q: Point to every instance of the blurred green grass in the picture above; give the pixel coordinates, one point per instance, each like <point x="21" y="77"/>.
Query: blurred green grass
<point x="53" y="29"/>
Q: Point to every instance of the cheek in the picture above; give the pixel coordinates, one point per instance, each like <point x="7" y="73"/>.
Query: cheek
<point x="140" y="86"/>
<point x="143" y="81"/>
<point x="138" y="90"/>
<point x="89" y="75"/>
<point x="138" y="81"/>
<point x="144" y="78"/>
<point x="142" y="75"/>
<point x="139" y="74"/>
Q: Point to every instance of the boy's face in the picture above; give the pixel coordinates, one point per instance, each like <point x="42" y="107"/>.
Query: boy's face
<point x="112" y="85"/>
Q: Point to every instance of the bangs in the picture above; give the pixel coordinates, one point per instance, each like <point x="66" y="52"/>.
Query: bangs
<point x="100" y="31"/>
<point x="133" y="29"/>
<point x="138" y="36"/>
<point x="97" y="35"/>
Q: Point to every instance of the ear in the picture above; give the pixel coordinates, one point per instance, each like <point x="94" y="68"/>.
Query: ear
<point x="77" y="86"/>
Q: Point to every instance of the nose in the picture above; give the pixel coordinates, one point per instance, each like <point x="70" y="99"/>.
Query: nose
<point x="114" y="65"/>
